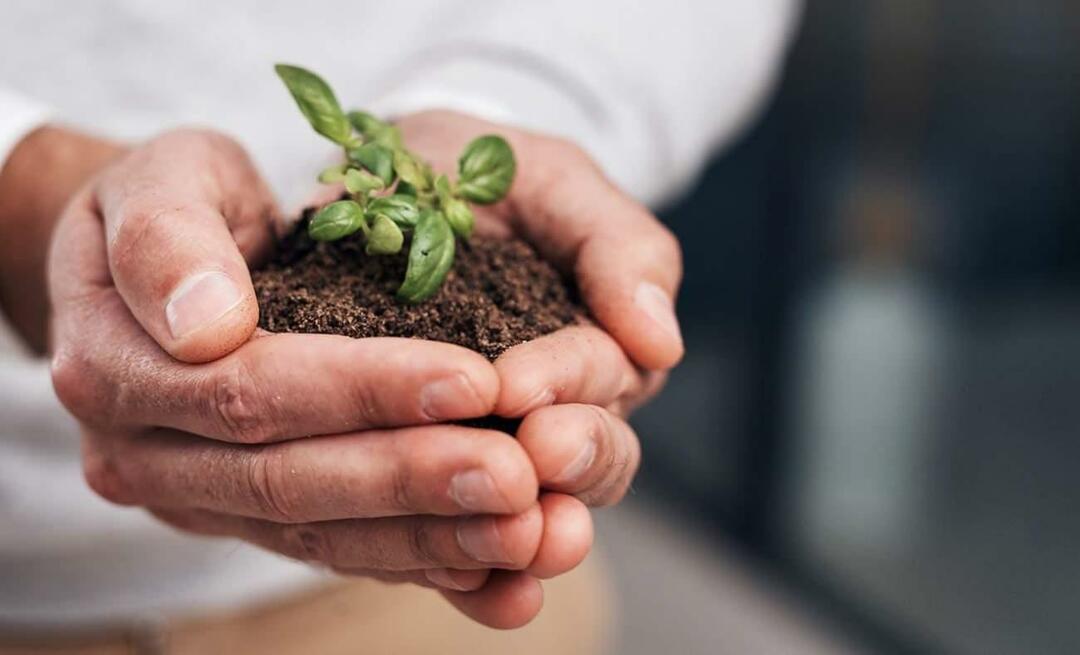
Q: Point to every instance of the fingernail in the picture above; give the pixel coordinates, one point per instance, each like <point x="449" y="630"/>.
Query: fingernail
<point x="656" y="302"/>
<point x="448" y="398"/>
<point x="199" y="301"/>
<point x="474" y="491"/>
<point x="576" y="467"/>
<point x="480" y="539"/>
<point x="442" y="578"/>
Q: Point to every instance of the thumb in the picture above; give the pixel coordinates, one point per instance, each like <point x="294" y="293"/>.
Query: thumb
<point x="180" y="214"/>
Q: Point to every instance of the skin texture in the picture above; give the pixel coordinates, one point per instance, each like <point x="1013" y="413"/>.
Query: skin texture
<point x="331" y="450"/>
<point x="39" y="176"/>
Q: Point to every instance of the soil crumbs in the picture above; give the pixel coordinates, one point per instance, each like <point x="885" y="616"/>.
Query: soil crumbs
<point x="498" y="294"/>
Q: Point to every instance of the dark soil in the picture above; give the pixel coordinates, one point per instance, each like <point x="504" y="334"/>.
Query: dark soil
<point x="498" y="294"/>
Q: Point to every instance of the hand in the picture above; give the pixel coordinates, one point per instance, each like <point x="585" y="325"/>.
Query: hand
<point x="576" y="386"/>
<point x="222" y="444"/>
<point x="40" y="175"/>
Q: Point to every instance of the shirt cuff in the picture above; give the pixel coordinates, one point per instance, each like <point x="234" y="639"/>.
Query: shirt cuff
<point x="19" y="116"/>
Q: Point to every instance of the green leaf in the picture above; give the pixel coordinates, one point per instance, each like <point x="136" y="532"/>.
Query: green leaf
<point x="365" y="123"/>
<point x="376" y="130"/>
<point x="385" y="237"/>
<point x="486" y="169"/>
<point x="332" y="174"/>
<point x="430" y="256"/>
<point x="390" y="137"/>
<point x="336" y="220"/>
<point x="317" y="102"/>
<point x="410" y="170"/>
<point x="376" y="158"/>
<point x="459" y="216"/>
<point x="360" y="182"/>
<point x="442" y="188"/>
<point x="399" y="208"/>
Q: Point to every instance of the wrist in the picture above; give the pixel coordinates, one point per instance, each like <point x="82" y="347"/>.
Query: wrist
<point x="41" y="174"/>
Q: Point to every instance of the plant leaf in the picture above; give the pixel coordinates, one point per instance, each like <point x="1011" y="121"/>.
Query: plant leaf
<point x="410" y="170"/>
<point x="376" y="130"/>
<point x="385" y="237"/>
<point x="399" y="208"/>
<point x="430" y="256"/>
<point x="336" y="220"/>
<point x="332" y="174"/>
<point x="442" y="188"/>
<point x="358" y="181"/>
<point x="459" y="216"/>
<point x="317" y="102"/>
<point x="486" y="169"/>
<point x="366" y="123"/>
<point x="376" y="158"/>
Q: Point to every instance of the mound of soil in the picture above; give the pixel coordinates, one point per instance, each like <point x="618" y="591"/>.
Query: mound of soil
<point x="498" y="294"/>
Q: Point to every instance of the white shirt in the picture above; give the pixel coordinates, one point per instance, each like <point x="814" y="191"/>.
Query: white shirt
<point x="650" y="89"/>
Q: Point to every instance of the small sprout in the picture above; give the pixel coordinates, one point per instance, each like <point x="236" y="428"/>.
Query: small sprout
<point x="336" y="220"/>
<point x="432" y="208"/>
<point x="486" y="169"/>
<point x="385" y="238"/>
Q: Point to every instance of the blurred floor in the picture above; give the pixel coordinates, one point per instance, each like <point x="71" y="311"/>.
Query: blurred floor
<point x="680" y="593"/>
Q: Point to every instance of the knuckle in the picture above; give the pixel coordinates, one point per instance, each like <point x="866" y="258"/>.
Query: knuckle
<point x="268" y="485"/>
<point x="104" y="479"/>
<point x="71" y="381"/>
<point x="567" y="152"/>
<point x="422" y="545"/>
<point x="307" y="542"/>
<point x="552" y="161"/>
<point x="402" y="494"/>
<point x="236" y="405"/>
<point x="195" y="138"/>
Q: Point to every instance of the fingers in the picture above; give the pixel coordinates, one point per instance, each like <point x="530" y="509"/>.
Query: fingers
<point x="509" y="600"/>
<point x="567" y="537"/>
<point x="581" y="450"/>
<point x="272" y="388"/>
<point x="174" y="212"/>
<point x="292" y="385"/>
<point x="457" y="580"/>
<point x="628" y="266"/>
<point x="441" y="470"/>
<point x="409" y="543"/>
<point x="580" y="364"/>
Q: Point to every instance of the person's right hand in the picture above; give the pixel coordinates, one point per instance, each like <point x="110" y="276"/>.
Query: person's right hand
<point x="218" y="432"/>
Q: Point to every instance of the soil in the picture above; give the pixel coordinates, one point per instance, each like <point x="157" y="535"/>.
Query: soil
<point x="498" y="294"/>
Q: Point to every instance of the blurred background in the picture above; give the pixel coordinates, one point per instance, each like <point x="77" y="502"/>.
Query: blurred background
<point x="872" y="444"/>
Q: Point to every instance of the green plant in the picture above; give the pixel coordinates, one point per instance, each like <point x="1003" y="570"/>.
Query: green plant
<point x="392" y="191"/>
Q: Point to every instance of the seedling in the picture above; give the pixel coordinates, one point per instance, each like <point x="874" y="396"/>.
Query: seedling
<point x="392" y="192"/>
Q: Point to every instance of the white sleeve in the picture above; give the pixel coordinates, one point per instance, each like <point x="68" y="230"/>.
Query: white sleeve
<point x="18" y="117"/>
<point x="650" y="89"/>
